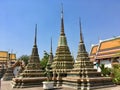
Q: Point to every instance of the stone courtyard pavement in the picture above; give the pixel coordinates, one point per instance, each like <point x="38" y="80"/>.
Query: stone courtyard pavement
<point x="5" y="85"/>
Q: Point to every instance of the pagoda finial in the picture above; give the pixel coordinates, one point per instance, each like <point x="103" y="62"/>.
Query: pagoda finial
<point x="61" y="10"/>
<point x="50" y="60"/>
<point x="81" y="36"/>
<point x="62" y="21"/>
<point x="35" y="35"/>
<point x="51" y="46"/>
<point x="82" y="45"/>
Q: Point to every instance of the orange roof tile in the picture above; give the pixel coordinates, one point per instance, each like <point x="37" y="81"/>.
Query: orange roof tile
<point x="109" y="48"/>
<point x="93" y="52"/>
<point x="106" y="49"/>
<point x="3" y="54"/>
<point x="110" y="44"/>
<point x="94" y="49"/>
<point x="12" y="56"/>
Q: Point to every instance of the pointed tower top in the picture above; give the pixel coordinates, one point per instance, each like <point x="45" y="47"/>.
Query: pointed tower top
<point x="62" y="22"/>
<point x="35" y="40"/>
<point x="51" y="46"/>
<point x="82" y="45"/>
<point x="81" y="36"/>
<point x="50" y="60"/>
<point x="62" y="40"/>
<point x="61" y="10"/>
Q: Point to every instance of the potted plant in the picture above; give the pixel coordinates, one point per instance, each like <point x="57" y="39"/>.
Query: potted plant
<point x="48" y="85"/>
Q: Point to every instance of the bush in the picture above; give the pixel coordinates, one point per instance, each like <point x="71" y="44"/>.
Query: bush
<point x="116" y="73"/>
<point x="105" y="70"/>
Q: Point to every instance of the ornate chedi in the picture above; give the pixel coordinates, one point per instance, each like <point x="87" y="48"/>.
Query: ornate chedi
<point x="33" y="75"/>
<point x="83" y="76"/>
<point x="9" y="71"/>
<point x="63" y="61"/>
<point x="49" y="63"/>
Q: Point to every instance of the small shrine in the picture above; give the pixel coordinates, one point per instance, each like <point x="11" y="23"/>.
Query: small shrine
<point x="33" y="75"/>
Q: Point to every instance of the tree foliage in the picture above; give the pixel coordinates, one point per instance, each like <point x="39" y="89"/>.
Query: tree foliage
<point x="116" y="73"/>
<point x="44" y="60"/>
<point x="25" y="58"/>
<point x="105" y="70"/>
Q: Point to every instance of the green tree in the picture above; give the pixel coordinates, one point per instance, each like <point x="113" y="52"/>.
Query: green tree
<point x="116" y="73"/>
<point x="44" y="60"/>
<point x="25" y="58"/>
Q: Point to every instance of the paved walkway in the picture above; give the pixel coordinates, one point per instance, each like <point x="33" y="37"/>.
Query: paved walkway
<point x="5" y="85"/>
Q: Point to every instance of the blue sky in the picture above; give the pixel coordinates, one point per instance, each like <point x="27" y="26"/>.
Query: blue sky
<point x="100" y="20"/>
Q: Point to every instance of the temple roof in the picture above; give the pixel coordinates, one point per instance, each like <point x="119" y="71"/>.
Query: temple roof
<point x="4" y="55"/>
<point x="12" y="56"/>
<point x="107" y="48"/>
<point x="93" y="49"/>
<point x="93" y="52"/>
<point x="110" y="44"/>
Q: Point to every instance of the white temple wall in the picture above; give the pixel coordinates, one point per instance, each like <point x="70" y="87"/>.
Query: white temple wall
<point x="107" y="63"/>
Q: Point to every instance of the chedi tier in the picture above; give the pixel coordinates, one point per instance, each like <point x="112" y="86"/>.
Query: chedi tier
<point x="83" y="76"/>
<point x="33" y="75"/>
